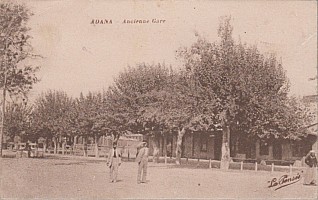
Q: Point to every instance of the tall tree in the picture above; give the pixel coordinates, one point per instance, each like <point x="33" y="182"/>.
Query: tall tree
<point x="89" y="121"/>
<point x="51" y="113"/>
<point x="135" y="101"/>
<point x="18" y="119"/>
<point x="244" y="86"/>
<point x="15" y="78"/>
<point x="181" y="110"/>
<point x="127" y="98"/>
<point x="155" y="101"/>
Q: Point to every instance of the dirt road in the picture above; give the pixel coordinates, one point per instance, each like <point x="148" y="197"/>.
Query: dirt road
<point x="60" y="177"/>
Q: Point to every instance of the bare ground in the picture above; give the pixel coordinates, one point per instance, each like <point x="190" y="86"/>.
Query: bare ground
<point x="86" y="178"/>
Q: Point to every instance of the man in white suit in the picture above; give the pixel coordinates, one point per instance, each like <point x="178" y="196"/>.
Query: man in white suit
<point x="114" y="161"/>
<point x="142" y="160"/>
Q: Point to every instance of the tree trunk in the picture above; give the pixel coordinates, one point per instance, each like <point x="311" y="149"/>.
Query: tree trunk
<point x="55" y="145"/>
<point x="225" y="159"/>
<point x="179" y="145"/>
<point x="96" y="147"/>
<point x="3" y="113"/>
<point x="75" y="140"/>
<point x="74" y="148"/>
<point x="45" y="145"/>
<point x="165" y="145"/>
<point x="59" y="142"/>
<point x="155" y="145"/>
<point x="63" y="148"/>
<point x="85" y="146"/>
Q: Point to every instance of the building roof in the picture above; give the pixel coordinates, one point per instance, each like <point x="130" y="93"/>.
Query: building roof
<point x="313" y="129"/>
<point x="311" y="98"/>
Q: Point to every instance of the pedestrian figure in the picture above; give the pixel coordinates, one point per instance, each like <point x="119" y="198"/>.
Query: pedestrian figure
<point x="142" y="160"/>
<point x="114" y="161"/>
<point x="311" y="172"/>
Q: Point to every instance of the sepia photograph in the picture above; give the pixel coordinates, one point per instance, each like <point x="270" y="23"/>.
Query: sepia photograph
<point x="105" y="99"/>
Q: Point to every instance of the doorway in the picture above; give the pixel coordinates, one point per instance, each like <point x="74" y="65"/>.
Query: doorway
<point x="217" y="145"/>
<point x="277" y="150"/>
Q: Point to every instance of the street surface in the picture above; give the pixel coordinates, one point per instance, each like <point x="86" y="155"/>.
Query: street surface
<point x="88" y="178"/>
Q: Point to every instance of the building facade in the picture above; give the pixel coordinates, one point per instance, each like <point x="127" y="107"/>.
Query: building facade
<point x="207" y="145"/>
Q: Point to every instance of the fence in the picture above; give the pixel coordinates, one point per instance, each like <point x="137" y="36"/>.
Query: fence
<point x="128" y="150"/>
<point x="242" y="165"/>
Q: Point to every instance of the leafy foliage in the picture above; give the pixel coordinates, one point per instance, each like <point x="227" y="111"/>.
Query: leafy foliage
<point x="18" y="119"/>
<point x="16" y="77"/>
<point x="242" y="87"/>
<point x="51" y="113"/>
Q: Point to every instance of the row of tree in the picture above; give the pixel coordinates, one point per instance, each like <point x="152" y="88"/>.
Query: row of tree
<point x="223" y="84"/>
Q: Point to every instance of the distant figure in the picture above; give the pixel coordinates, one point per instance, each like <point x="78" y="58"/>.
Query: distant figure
<point x="114" y="161"/>
<point x="142" y="160"/>
<point x="311" y="172"/>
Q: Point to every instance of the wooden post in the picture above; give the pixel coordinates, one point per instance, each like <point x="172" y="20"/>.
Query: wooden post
<point x="166" y="159"/>
<point x="241" y="165"/>
<point x="96" y="150"/>
<point x="256" y="166"/>
<point x="187" y="160"/>
<point x="210" y="164"/>
<point x="128" y="154"/>
<point x="165" y="145"/>
<point x="272" y="167"/>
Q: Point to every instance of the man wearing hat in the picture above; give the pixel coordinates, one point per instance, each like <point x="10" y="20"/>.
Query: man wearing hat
<point x="142" y="160"/>
<point x="114" y="161"/>
<point x="311" y="172"/>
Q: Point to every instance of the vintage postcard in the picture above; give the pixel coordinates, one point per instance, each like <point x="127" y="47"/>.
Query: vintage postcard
<point x="158" y="99"/>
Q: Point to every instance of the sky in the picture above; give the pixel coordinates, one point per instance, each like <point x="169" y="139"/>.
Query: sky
<point x="79" y="56"/>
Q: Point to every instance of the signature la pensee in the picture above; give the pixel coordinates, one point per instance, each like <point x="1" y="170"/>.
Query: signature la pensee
<point x="283" y="181"/>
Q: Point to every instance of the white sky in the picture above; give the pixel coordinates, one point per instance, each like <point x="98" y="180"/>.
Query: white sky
<point x="79" y="56"/>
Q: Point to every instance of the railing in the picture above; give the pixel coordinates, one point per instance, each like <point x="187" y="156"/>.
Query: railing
<point x="90" y="150"/>
<point x="31" y="150"/>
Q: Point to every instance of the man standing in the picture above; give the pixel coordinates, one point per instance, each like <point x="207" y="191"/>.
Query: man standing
<point x="311" y="172"/>
<point x="142" y="160"/>
<point x="114" y="161"/>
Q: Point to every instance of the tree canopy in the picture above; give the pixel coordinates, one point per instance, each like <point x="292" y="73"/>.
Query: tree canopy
<point x="15" y="47"/>
<point x="224" y="84"/>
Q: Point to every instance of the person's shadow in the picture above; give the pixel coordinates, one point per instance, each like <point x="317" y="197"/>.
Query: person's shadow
<point x="147" y="181"/>
<point x="118" y="181"/>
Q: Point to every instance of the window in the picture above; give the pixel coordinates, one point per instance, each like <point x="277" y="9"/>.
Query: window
<point x="204" y="142"/>
<point x="241" y="145"/>
<point x="264" y="150"/>
<point x="299" y="148"/>
<point x="296" y="149"/>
